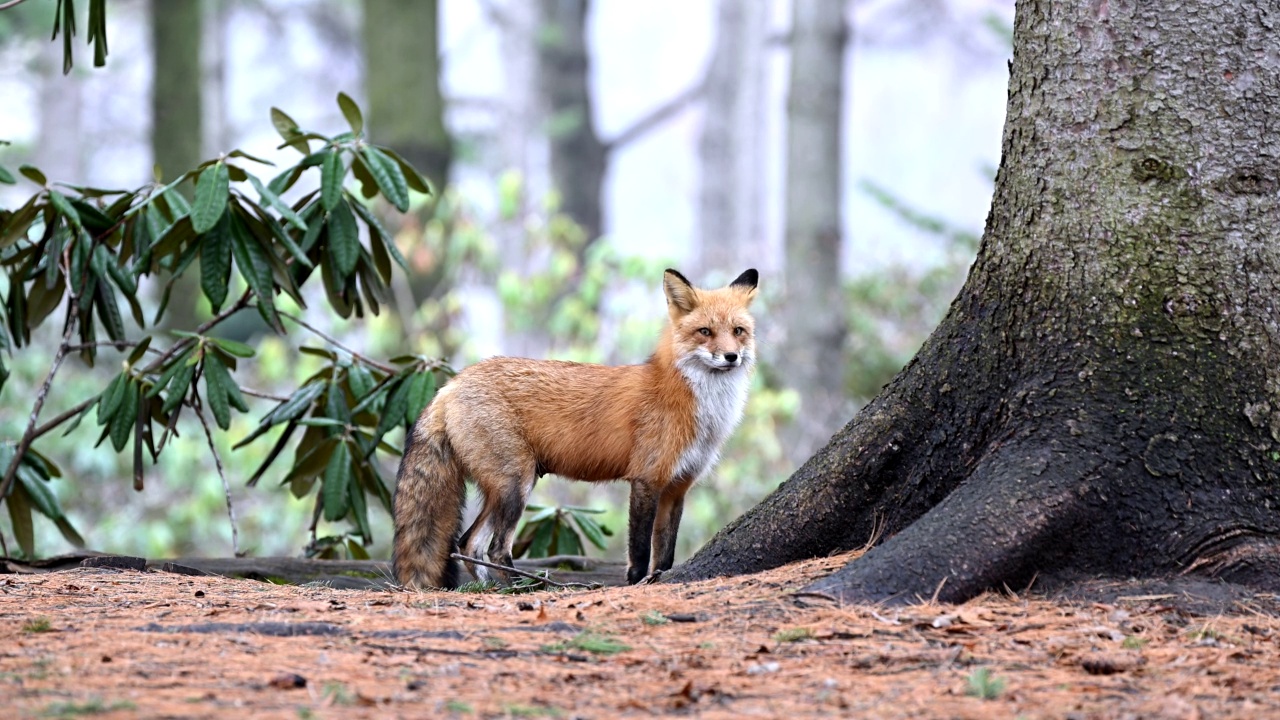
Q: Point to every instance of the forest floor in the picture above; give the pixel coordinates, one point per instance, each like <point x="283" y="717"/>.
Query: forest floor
<point x="118" y="643"/>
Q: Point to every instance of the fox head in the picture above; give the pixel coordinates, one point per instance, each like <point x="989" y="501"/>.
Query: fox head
<point x="712" y="328"/>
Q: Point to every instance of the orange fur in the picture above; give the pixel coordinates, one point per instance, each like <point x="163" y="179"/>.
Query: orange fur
<point x="506" y="421"/>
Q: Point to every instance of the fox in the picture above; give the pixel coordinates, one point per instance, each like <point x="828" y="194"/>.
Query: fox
<point x="505" y="422"/>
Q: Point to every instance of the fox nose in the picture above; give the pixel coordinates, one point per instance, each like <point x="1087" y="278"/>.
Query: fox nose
<point x="731" y="357"/>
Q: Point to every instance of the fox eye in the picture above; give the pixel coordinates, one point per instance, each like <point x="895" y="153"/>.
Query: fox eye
<point x="706" y="332"/>
<point x="739" y="331"/>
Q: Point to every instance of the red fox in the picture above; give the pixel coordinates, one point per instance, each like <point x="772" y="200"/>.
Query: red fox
<point x="505" y="422"/>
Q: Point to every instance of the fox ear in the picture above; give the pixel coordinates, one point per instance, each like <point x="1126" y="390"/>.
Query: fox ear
<point x="679" y="291"/>
<point x="746" y="282"/>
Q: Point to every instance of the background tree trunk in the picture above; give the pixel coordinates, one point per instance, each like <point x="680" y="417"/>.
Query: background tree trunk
<point x="577" y="156"/>
<point x="731" y="232"/>
<point x="177" y="120"/>
<point x="813" y="313"/>
<point x="402" y="77"/>
<point x="1104" y="394"/>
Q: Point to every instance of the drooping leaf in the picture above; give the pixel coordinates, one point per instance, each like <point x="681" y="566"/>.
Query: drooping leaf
<point x="20" y="519"/>
<point x="411" y="175"/>
<point x="344" y="240"/>
<point x="331" y="176"/>
<point x="217" y="384"/>
<point x="337" y="476"/>
<point x="386" y="172"/>
<point x="215" y="263"/>
<point x="212" y="189"/>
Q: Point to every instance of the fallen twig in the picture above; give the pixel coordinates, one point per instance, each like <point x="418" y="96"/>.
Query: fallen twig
<point x="522" y="573"/>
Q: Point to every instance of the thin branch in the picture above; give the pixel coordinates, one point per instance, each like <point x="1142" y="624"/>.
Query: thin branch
<point x="260" y="394"/>
<point x="226" y="487"/>
<point x="182" y="344"/>
<point x="65" y="416"/>
<point x="329" y="339"/>
<point x="10" y="4"/>
<point x="656" y="117"/>
<point x="522" y="573"/>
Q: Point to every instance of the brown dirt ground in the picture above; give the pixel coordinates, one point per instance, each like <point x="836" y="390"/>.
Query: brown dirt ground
<point x="122" y="644"/>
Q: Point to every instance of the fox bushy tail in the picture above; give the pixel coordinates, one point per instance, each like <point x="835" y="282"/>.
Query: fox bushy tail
<point x="430" y="497"/>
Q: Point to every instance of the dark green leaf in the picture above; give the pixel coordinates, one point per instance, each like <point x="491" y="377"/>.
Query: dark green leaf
<point x="376" y="230"/>
<point x="247" y="156"/>
<point x="332" y="174"/>
<point x="238" y="349"/>
<point x="7" y="177"/>
<point x="352" y="112"/>
<point x="270" y="198"/>
<point x="421" y="391"/>
<point x="271" y="456"/>
<point x="124" y="419"/>
<point x="64" y="208"/>
<point x="590" y="528"/>
<point x="217" y="385"/>
<point x="360" y="168"/>
<point x="344" y="241"/>
<point x="139" y="350"/>
<point x="215" y="263"/>
<point x="33" y="175"/>
<point x="389" y="177"/>
<point x="411" y="175"/>
<point x="337" y="476"/>
<point x="360" y="380"/>
<point x="358" y="507"/>
<point x="20" y="519"/>
<point x="212" y="190"/>
<point x="109" y="401"/>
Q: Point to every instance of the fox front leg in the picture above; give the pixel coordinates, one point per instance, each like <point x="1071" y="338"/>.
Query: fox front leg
<point x="644" y="509"/>
<point x="666" y="526"/>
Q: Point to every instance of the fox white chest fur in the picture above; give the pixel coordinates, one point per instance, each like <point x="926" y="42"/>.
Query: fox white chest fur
<point x="721" y="397"/>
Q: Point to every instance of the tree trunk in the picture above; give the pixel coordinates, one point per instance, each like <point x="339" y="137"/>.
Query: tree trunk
<point x="402" y="77"/>
<point x="731" y="147"/>
<point x="177" y="128"/>
<point x="577" y="156"/>
<point x="1104" y="394"/>
<point x="813" y="313"/>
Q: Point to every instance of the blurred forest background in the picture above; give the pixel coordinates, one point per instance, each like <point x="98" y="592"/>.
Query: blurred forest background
<point x="577" y="148"/>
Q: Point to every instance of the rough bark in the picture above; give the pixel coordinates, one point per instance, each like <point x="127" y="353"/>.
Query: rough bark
<point x="402" y="78"/>
<point x="814" y="319"/>
<point x="577" y="156"/>
<point x="731" y="147"/>
<point x="1103" y="396"/>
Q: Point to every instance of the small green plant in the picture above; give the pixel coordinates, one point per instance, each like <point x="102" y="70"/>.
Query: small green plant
<point x="984" y="685"/>
<point x="92" y="706"/>
<point x="37" y="625"/>
<point x="559" y="531"/>
<point x="457" y="706"/>
<point x="793" y="635"/>
<point x="305" y="713"/>
<point x="1133" y="642"/>
<point x="589" y="642"/>
<point x="477" y="586"/>
<point x="653" y="617"/>
<point x="338" y="693"/>
<point x="531" y="711"/>
<point x="493" y="643"/>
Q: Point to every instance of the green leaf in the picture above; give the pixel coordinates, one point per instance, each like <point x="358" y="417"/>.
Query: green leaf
<point x="33" y="175"/>
<point x="288" y="129"/>
<point x="20" y="518"/>
<point x="7" y="177"/>
<point x="281" y="206"/>
<point x="360" y="168"/>
<point x="138" y="351"/>
<point x="420" y="394"/>
<point x="255" y="268"/>
<point x="351" y="111"/>
<point x="247" y="156"/>
<point x="109" y="401"/>
<point x="178" y="386"/>
<point x="64" y="207"/>
<point x="332" y="174"/>
<point x="217" y="386"/>
<point x="215" y="263"/>
<point x="337" y="475"/>
<point x="238" y="349"/>
<point x="344" y="240"/>
<point x="376" y="230"/>
<point x="411" y="174"/>
<point x="126" y="417"/>
<point x="567" y="541"/>
<point x="360" y="380"/>
<point x="389" y="177"/>
<point x="589" y="527"/>
<point x="394" y="411"/>
<point x="359" y="509"/>
<point x="212" y="189"/>
<point x="271" y="456"/>
<point x="287" y="411"/>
